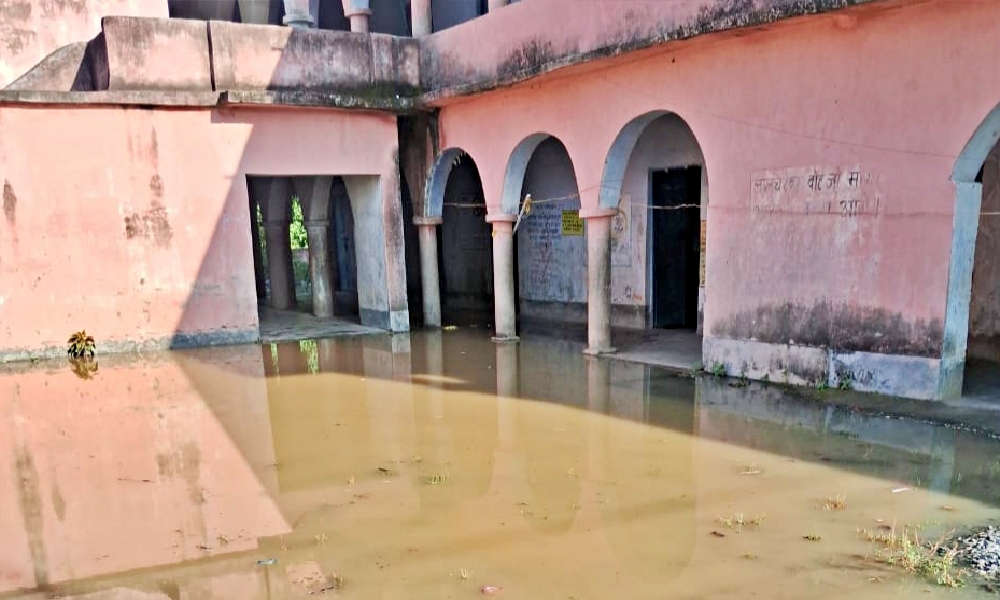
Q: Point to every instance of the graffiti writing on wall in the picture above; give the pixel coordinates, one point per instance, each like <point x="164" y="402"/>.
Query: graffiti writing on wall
<point x="840" y="191"/>
<point x="621" y="234"/>
<point x="543" y="230"/>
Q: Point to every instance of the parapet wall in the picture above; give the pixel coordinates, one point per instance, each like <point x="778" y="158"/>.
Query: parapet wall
<point x="143" y="54"/>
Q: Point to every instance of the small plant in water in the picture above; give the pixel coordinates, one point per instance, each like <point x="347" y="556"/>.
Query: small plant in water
<point x="81" y="345"/>
<point x="844" y="383"/>
<point x="838" y="502"/>
<point x="719" y="369"/>
<point x="905" y="550"/>
<point x="81" y="355"/>
<point x="465" y="574"/>
<point x="738" y="521"/>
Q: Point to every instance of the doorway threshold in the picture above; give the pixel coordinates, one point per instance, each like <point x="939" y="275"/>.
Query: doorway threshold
<point x="292" y="325"/>
<point x="674" y="349"/>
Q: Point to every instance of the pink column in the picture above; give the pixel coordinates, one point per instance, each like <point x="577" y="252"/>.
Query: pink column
<point x="429" y="276"/>
<point x="598" y="279"/>
<point x="301" y="13"/>
<point x="503" y="277"/>
<point x="420" y="16"/>
<point x="358" y="11"/>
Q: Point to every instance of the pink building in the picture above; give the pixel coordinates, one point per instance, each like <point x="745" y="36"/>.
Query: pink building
<point x="810" y="187"/>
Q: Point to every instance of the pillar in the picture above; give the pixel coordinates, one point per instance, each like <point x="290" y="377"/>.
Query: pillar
<point x="420" y="17"/>
<point x="598" y="280"/>
<point x="258" y="254"/>
<point x="495" y="4"/>
<point x="358" y="11"/>
<point x="320" y="272"/>
<point x="256" y="12"/>
<point x="429" y="281"/>
<point x="503" y="277"/>
<point x="301" y="13"/>
<point x="279" y="264"/>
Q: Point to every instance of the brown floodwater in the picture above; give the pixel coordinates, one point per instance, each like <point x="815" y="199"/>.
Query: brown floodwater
<point x="431" y="465"/>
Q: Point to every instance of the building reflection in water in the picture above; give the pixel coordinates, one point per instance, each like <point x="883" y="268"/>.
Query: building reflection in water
<point x="175" y="474"/>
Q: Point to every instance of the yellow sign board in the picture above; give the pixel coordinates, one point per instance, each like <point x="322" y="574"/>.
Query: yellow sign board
<point x="572" y="224"/>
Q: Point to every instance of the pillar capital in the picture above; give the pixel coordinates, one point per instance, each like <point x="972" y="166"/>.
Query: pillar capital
<point x="421" y="221"/>
<point x="501" y="218"/>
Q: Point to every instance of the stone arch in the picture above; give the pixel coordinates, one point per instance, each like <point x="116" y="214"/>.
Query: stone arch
<point x="437" y="181"/>
<point x="966" y="175"/>
<point x="517" y="167"/>
<point x="657" y="163"/>
<point x="621" y="152"/>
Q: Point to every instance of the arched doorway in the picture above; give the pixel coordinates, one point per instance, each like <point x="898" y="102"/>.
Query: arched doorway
<point x="655" y="177"/>
<point x="550" y="259"/>
<point x="465" y="262"/>
<point x="970" y="358"/>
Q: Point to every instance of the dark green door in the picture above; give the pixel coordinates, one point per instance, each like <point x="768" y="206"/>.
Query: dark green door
<point x="675" y="247"/>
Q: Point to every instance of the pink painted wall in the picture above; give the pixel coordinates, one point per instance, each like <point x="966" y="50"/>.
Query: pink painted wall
<point x="134" y="224"/>
<point x="31" y="29"/>
<point x="821" y="92"/>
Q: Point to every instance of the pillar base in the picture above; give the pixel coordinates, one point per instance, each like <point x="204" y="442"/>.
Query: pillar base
<point x="503" y="340"/>
<point x="303" y="21"/>
<point x="599" y="351"/>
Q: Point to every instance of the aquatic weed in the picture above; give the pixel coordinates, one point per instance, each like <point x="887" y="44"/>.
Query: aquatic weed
<point x="905" y="550"/>
<point x="838" y="502"/>
<point x="738" y="521"/>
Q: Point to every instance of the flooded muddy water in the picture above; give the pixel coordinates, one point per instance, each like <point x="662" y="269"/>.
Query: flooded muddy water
<point x="432" y="465"/>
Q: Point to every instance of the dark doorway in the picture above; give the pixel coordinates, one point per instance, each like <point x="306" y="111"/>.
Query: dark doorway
<point x="346" y="277"/>
<point x="465" y="241"/>
<point x="675" y="247"/>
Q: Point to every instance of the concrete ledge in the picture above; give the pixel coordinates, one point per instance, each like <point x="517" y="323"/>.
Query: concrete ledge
<point x="223" y="337"/>
<point x="783" y="363"/>
<point x="317" y="99"/>
<point x="157" y="54"/>
<point x="895" y="375"/>
<point x="111" y="98"/>
<point x="907" y="376"/>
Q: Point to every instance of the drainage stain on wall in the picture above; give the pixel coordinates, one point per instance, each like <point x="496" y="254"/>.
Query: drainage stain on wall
<point x="9" y="203"/>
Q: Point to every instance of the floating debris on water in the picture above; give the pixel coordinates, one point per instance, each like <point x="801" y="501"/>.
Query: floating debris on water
<point x="267" y="561"/>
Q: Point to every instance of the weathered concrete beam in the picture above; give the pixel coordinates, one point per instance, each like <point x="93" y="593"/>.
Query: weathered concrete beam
<point x="523" y="44"/>
<point x="259" y="57"/>
<point x="144" y="54"/>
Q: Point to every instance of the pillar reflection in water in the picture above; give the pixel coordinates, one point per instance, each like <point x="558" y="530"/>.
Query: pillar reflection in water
<point x="643" y="500"/>
<point x="554" y="443"/>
